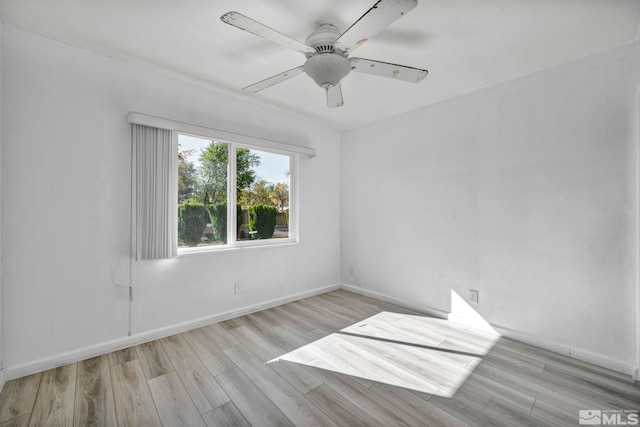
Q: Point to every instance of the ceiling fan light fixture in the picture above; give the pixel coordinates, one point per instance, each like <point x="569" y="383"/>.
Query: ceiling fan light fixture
<point x="327" y="69"/>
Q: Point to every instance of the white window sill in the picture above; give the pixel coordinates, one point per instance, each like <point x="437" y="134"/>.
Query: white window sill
<point x="241" y="245"/>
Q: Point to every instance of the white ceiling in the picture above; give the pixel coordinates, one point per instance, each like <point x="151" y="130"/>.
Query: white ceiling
<point x="465" y="44"/>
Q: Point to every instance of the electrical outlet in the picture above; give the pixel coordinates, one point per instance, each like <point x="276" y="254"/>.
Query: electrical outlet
<point x="237" y="288"/>
<point x="473" y="296"/>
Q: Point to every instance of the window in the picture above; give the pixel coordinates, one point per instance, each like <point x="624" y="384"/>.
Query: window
<point x="256" y="182"/>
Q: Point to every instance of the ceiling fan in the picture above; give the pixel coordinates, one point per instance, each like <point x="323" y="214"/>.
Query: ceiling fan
<point x="328" y="51"/>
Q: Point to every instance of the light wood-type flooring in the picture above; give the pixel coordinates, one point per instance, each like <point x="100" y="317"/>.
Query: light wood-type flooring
<point x="333" y="359"/>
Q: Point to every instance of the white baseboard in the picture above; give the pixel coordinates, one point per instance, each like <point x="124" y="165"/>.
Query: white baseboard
<point x="3" y="379"/>
<point x="120" y="343"/>
<point x="565" y="350"/>
<point x="576" y="353"/>
<point x="431" y="311"/>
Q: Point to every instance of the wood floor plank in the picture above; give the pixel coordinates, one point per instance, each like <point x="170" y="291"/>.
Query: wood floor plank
<point x="350" y="308"/>
<point x="509" y="414"/>
<point x="261" y="347"/>
<point x="419" y="412"/>
<point x="153" y="359"/>
<point x="198" y="381"/>
<point x="94" y="404"/>
<point x="22" y="421"/>
<point x="339" y="409"/>
<point x="315" y="367"/>
<point x="54" y="404"/>
<point x="385" y="363"/>
<point x="236" y="322"/>
<point x="220" y="336"/>
<point x="133" y="401"/>
<point x="289" y="337"/>
<point x="269" y="333"/>
<point x="386" y="326"/>
<point x="330" y="354"/>
<point x="505" y="392"/>
<point x="517" y="359"/>
<point x="284" y="311"/>
<point x="564" y="362"/>
<point x="226" y="415"/>
<point x="269" y="317"/>
<point x="618" y="394"/>
<point x="348" y="313"/>
<point x="122" y="356"/>
<point x="251" y="402"/>
<point x="552" y="415"/>
<point x="277" y="317"/>
<point x="293" y="337"/>
<point x="535" y="385"/>
<point x="370" y="403"/>
<point x="174" y="405"/>
<point x="258" y="322"/>
<point x="301" y="379"/>
<point x="473" y="393"/>
<point x="466" y="412"/>
<point x="337" y="320"/>
<point x="209" y="353"/>
<point x="18" y="397"/>
<point x="378" y="305"/>
<point x="304" y="311"/>
<point x="424" y="369"/>
<point x="292" y="403"/>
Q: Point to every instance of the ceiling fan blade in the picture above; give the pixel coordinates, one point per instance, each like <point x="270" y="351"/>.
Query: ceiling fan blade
<point x="256" y="87"/>
<point x="334" y="96"/>
<point x="385" y="69"/>
<point x="243" y="22"/>
<point x="379" y="17"/>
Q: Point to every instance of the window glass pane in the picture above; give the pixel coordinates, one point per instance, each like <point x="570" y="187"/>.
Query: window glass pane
<point x="263" y="194"/>
<point x="202" y="191"/>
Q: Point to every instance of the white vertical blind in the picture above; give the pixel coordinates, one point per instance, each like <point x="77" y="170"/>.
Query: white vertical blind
<point x="155" y="192"/>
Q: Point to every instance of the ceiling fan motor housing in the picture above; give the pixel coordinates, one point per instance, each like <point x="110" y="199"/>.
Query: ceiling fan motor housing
<point x="322" y="39"/>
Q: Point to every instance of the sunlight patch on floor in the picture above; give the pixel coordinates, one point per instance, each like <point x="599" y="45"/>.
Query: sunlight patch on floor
<point x="464" y="314"/>
<point x="415" y="352"/>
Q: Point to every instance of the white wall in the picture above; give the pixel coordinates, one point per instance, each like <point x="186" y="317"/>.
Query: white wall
<point x="523" y="191"/>
<point x="65" y="199"/>
<point x="1" y="325"/>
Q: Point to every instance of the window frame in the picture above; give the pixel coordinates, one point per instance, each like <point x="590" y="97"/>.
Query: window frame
<point x="232" y="239"/>
<point x="295" y="151"/>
